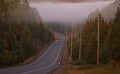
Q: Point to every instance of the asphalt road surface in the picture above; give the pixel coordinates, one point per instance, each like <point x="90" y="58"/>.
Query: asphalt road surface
<point x="45" y="64"/>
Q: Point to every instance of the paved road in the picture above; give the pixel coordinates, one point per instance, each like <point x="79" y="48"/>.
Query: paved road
<point x="44" y="64"/>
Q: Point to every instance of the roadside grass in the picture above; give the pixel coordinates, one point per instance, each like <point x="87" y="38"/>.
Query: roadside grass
<point x="111" y="68"/>
<point x="78" y="68"/>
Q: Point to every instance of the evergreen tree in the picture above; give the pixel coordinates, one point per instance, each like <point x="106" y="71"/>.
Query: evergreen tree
<point x="115" y="37"/>
<point x="117" y="16"/>
<point x="20" y="27"/>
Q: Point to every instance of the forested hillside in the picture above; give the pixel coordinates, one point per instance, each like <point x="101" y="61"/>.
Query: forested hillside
<point x="22" y="32"/>
<point x="107" y="12"/>
<point x="109" y="40"/>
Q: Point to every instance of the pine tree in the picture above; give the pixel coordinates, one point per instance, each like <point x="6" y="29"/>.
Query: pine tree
<point x="89" y="41"/>
<point x="18" y="30"/>
<point x="115" y="37"/>
<point x="117" y="16"/>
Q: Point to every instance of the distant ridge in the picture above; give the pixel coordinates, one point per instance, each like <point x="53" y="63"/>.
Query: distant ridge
<point x="107" y="12"/>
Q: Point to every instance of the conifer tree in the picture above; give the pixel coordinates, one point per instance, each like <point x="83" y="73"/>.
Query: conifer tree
<point x="115" y="36"/>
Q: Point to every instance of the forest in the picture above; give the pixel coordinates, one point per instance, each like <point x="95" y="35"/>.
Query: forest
<point x="82" y="40"/>
<point x="22" y="32"/>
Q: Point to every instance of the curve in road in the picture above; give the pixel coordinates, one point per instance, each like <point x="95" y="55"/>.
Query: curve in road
<point x="44" y="64"/>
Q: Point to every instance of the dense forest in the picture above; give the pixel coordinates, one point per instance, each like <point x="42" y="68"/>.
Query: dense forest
<point x="22" y="32"/>
<point x="84" y="45"/>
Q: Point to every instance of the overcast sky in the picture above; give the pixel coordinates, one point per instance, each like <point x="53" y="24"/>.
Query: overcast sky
<point x="71" y="0"/>
<point x="67" y="12"/>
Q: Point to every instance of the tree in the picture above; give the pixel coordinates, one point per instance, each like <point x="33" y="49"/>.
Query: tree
<point x="18" y="32"/>
<point x="115" y="37"/>
<point x="117" y="16"/>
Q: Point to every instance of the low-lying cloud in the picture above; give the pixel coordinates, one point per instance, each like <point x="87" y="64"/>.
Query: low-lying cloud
<point x="67" y="12"/>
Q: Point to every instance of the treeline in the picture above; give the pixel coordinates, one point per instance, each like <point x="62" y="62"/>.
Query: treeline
<point x="109" y="40"/>
<point x="56" y="26"/>
<point x="22" y="32"/>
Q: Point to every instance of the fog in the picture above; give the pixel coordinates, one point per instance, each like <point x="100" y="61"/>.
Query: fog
<point x="67" y="12"/>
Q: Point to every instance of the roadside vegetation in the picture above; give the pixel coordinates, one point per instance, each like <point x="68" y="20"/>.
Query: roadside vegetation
<point x="109" y="55"/>
<point x="109" y="40"/>
<point x="86" y="33"/>
<point x="102" y="69"/>
<point x="22" y="32"/>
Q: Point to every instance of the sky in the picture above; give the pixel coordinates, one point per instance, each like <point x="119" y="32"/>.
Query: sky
<point x="67" y="12"/>
<point x="71" y="0"/>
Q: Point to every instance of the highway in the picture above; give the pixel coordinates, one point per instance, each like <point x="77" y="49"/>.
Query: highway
<point x="45" y="64"/>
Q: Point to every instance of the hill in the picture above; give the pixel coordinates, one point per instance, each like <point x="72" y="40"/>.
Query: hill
<point x="107" y="12"/>
<point x="22" y="32"/>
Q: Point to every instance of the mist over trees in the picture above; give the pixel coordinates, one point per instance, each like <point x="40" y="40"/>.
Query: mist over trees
<point x="22" y="32"/>
<point x="104" y="12"/>
<point x="109" y="40"/>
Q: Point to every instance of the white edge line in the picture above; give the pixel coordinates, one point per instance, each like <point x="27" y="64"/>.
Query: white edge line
<point x="34" y="61"/>
<point x="43" y="53"/>
<point x="46" y="66"/>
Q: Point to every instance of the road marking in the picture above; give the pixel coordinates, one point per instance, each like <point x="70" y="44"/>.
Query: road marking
<point x="48" y="65"/>
<point x="43" y="54"/>
<point x="17" y="68"/>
